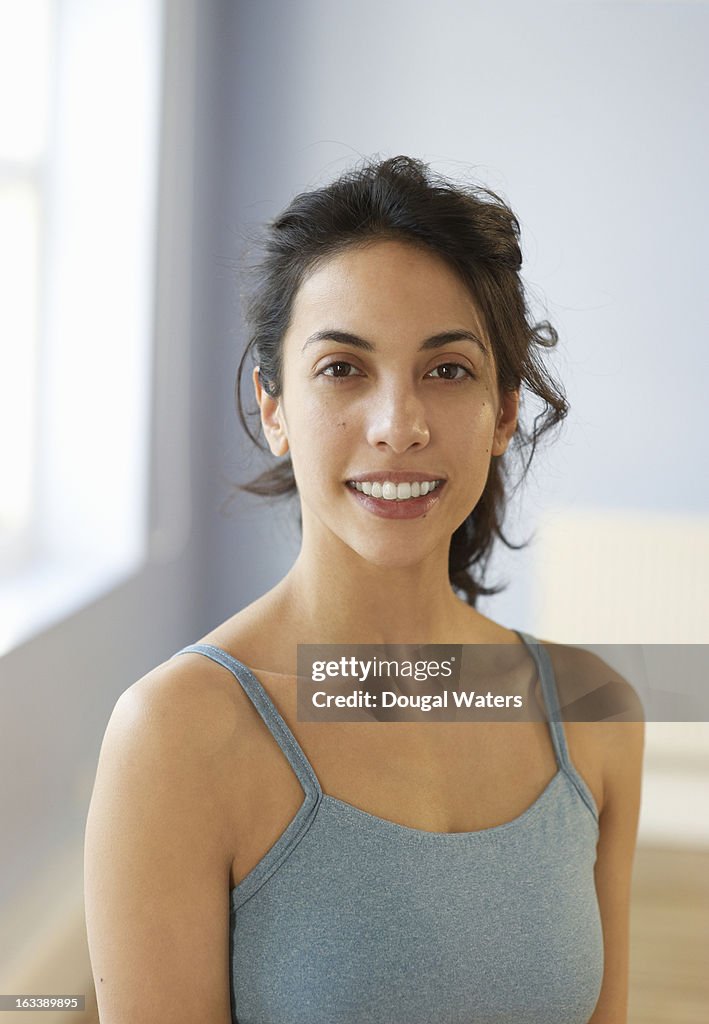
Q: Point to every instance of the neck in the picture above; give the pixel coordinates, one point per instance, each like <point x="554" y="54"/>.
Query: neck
<point x="365" y="603"/>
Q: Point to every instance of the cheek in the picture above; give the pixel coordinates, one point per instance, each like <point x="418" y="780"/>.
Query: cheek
<point x="317" y="444"/>
<point x="467" y="425"/>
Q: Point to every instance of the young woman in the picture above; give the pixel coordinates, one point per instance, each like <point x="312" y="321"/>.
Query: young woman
<point x="245" y="865"/>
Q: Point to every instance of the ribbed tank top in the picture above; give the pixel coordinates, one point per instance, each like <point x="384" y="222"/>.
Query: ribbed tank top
<point x="354" y="919"/>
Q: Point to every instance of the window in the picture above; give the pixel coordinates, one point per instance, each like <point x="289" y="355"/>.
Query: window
<point x="26" y="49"/>
<point x="79" y="132"/>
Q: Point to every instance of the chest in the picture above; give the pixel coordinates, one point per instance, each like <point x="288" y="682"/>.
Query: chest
<point x="438" y="777"/>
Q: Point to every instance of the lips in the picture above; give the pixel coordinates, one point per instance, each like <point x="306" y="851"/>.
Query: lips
<point x="386" y="508"/>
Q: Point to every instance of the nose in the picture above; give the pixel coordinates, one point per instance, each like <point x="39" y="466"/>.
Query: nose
<point x="397" y="420"/>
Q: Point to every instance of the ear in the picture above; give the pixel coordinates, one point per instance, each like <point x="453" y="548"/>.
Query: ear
<point x="272" y="418"/>
<point x="506" y="421"/>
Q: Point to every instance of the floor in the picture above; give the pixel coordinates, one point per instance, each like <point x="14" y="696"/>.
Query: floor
<point x="669" y="938"/>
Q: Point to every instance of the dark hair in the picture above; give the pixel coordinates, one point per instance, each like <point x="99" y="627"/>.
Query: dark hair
<point x="477" y="234"/>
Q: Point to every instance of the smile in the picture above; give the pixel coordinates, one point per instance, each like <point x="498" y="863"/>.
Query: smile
<point x="394" y="492"/>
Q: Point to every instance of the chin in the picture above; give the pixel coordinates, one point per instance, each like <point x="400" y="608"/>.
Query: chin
<point x="396" y="555"/>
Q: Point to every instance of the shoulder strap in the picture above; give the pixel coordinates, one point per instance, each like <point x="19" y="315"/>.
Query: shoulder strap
<point x="268" y="711"/>
<point x="554" y="717"/>
<point x="547" y="680"/>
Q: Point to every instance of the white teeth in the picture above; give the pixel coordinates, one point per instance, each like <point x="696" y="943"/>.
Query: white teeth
<point x="396" y="492"/>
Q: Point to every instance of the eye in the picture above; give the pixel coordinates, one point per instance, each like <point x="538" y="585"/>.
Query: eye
<point x="457" y="366"/>
<point x="340" y="363"/>
<point x="336" y="376"/>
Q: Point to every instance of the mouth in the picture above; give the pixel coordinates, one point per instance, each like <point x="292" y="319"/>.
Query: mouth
<point x="391" y="502"/>
<point x="396" y="492"/>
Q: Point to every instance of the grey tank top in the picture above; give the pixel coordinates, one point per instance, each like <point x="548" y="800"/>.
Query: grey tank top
<point x="354" y="919"/>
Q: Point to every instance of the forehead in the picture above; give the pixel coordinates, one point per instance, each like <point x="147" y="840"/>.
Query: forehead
<point x="384" y="286"/>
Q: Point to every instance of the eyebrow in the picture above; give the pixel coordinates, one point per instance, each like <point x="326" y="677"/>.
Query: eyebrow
<point x="437" y="341"/>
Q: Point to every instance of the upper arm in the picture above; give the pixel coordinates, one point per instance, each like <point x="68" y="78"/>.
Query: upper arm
<point x="156" y="867"/>
<point x="594" y="693"/>
<point x="614" y="863"/>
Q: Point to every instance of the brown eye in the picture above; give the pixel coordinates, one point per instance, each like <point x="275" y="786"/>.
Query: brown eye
<point x="454" y="366"/>
<point x="336" y="376"/>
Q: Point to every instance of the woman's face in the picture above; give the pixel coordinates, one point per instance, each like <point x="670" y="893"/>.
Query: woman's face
<point x="402" y="404"/>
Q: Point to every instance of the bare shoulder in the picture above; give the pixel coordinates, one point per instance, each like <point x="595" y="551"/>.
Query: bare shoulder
<point x="186" y="701"/>
<point x="603" y="715"/>
<point x="194" y="716"/>
<point x="590" y="689"/>
<point x="180" y="727"/>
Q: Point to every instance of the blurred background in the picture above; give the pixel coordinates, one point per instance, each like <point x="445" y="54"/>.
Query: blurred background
<point x="141" y="144"/>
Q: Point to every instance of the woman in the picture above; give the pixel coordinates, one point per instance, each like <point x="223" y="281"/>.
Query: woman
<point x="242" y="864"/>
